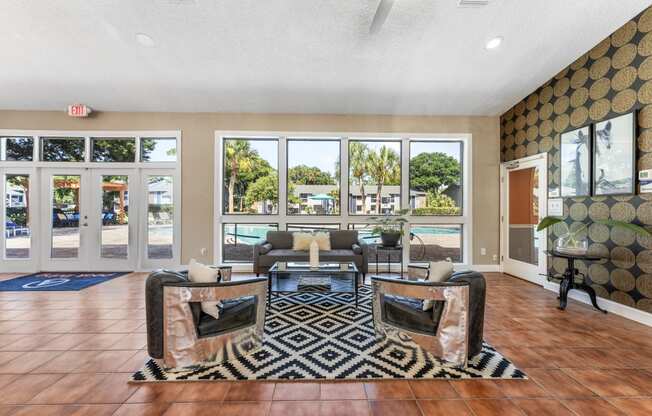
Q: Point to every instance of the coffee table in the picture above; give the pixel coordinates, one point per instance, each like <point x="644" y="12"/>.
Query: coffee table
<point x="285" y="279"/>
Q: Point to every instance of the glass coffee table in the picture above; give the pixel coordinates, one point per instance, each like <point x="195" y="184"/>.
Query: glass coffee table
<point x="300" y="277"/>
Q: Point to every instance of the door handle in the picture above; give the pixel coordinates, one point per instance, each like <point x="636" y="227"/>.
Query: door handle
<point x="85" y="224"/>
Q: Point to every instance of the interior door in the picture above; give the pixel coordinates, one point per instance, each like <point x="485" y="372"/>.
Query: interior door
<point x="18" y="219"/>
<point x="65" y="193"/>
<point x="113" y="233"/>
<point x="524" y="204"/>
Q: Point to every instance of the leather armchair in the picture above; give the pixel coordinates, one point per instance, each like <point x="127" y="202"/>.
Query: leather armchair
<point x="452" y="330"/>
<point x="179" y="334"/>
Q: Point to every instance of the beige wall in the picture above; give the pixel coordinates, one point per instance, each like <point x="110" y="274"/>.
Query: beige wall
<point x="198" y="149"/>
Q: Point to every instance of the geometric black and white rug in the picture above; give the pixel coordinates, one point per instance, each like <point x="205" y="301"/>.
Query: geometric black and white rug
<point x="322" y="336"/>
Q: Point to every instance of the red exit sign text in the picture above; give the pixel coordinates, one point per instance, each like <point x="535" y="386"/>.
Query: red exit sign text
<point x="79" y="110"/>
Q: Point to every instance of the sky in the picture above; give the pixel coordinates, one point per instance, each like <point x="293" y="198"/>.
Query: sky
<point x="324" y="154"/>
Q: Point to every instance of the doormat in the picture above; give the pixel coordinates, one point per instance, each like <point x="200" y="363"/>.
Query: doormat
<point x="57" y="281"/>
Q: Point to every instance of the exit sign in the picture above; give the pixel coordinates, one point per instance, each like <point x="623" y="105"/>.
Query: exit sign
<point x="79" y="110"/>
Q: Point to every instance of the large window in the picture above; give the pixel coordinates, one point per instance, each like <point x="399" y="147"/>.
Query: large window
<point x="374" y="177"/>
<point x="158" y="149"/>
<point x="436" y="177"/>
<point x="238" y="240"/>
<point x="250" y="169"/>
<point x="435" y="242"/>
<point x="312" y="227"/>
<point x="313" y="177"/>
<point x="63" y="149"/>
<point x="113" y="149"/>
<point x="160" y="217"/>
<point x="17" y="148"/>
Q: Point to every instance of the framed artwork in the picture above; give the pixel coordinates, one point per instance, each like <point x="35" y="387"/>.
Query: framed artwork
<point x="575" y="160"/>
<point x="614" y="155"/>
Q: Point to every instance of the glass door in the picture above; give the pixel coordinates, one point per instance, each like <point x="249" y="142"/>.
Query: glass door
<point x="17" y="220"/>
<point x="524" y="204"/>
<point x="66" y="245"/>
<point x="113" y="232"/>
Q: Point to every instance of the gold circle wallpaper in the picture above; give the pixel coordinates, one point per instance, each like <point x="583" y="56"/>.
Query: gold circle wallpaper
<point x="613" y="78"/>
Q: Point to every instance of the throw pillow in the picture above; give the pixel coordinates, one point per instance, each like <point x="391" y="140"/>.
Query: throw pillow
<point x="440" y="271"/>
<point x="200" y="273"/>
<point x="301" y="241"/>
<point x="323" y="240"/>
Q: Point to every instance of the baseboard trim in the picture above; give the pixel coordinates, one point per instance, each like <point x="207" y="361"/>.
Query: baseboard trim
<point x="610" y="306"/>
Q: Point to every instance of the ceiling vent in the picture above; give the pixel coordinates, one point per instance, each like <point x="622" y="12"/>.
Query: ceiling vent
<point x="472" y="3"/>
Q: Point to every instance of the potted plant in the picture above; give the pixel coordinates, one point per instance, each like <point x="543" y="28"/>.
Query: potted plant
<point x="569" y="243"/>
<point x="389" y="227"/>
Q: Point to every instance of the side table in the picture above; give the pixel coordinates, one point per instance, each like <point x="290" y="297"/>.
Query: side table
<point x="568" y="279"/>
<point x="389" y="250"/>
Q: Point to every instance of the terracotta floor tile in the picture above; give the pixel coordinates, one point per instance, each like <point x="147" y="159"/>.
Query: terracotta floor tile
<point x="344" y="408"/>
<point x="633" y="406"/>
<point x="8" y="356"/>
<point x="294" y="408"/>
<point x="142" y="409"/>
<point x="394" y="408"/>
<point x="69" y="389"/>
<point x="591" y="407"/>
<point x="66" y="362"/>
<point x="6" y="410"/>
<point x="388" y="390"/>
<point x="135" y="363"/>
<point x="521" y="388"/>
<point x="603" y="383"/>
<point x="221" y="409"/>
<point x="493" y="407"/>
<point x="26" y="386"/>
<point x="203" y="392"/>
<point x="68" y="410"/>
<point x="112" y="389"/>
<point x="559" y="383"/>
<point x="31" y="342"/>
<point x="28" y="361"/>
<point x="65" y="342"/>
<point x="542" y="407"/>
<point x="297" y="391"/>
<point x="6" y="379"/>
<point x="433" y="389"/>
<point x="477" y="388"/>
<point x="640" y="379"/>
<point x="250" y="391"/>
<point x="106" y="361"/>
<point x="156" y="392"/>
<point x="444" y="408"/>
<point x="527" y="357"/>
<point x="342" y="391"/>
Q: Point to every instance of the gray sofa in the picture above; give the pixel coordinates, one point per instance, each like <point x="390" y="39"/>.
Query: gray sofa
<point x="345" y="247"/>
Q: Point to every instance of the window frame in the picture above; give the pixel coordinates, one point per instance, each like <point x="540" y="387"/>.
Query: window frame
<point x="223" y="226"/>
<point x="345" y="218"/>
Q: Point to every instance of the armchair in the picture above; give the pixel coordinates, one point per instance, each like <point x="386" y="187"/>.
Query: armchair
<point x="179" y="334"/>
<point x="452" y="330"/>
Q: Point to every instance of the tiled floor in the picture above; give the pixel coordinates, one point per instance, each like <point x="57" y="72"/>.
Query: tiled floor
<point x="70" y="353"/>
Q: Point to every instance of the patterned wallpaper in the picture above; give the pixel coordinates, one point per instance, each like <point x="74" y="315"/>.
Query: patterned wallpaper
<point x="613" y="78"/>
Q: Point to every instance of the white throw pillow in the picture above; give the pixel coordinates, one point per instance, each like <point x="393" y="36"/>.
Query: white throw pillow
<point x="200" y="273"/>
<point x="439" y="271"/>
<point x="323" y="240"/>
<point x="301" y="241"/>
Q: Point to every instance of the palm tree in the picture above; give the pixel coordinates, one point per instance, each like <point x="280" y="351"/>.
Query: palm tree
<point x="384" y="167"/>
<point x="238" y="156"/>
<point x="358" y="161"/>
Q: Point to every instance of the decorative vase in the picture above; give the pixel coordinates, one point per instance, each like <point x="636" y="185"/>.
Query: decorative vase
<point x="390" y="239"/>
<point x="567" y="244"/>
<point x="314" y="255"/>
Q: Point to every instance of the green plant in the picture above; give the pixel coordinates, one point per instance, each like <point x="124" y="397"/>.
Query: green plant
<point x="550" y="221"/>
<point x="389" y="223"/>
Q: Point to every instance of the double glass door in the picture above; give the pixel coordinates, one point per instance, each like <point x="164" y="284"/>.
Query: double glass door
<point x="86" y="222"/>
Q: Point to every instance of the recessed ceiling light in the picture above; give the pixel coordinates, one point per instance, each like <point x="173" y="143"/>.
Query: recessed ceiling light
<point x="145" y="40"/>
<point x="494" y="43"/>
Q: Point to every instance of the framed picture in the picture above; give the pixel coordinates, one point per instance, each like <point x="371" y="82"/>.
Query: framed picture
<point x="614" y="155"/>
<point x="575" y="160"/>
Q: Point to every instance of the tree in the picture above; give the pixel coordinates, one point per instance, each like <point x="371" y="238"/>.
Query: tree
<point x="358" y="161"/>
<point x="264" y="189"/>
<point x="384" y="168"/>
<point x="434" y="172"/>
<point x="238" y="156"/>
<point x="309" y="175"/>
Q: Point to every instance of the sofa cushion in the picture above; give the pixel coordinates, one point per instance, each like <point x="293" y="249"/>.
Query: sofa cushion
<point x="280" y="239"/>
<point x="408" y="313"/>
<point x="265" y="248"/>
<point x="200" y="273"/>
<point x="343" y="239"/>
<point x="234" y="314"/>
<point x="301" y="241"/>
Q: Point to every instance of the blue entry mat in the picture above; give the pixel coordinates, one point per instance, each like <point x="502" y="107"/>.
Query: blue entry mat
<point x="57" y="281"/>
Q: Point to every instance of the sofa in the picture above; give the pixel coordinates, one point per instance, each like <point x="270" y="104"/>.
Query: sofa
<point x="452" y="330"/>
<point x="345" y="247"/>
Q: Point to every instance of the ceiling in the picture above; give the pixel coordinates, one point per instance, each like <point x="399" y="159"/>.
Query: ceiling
<point x="292" y="56"/>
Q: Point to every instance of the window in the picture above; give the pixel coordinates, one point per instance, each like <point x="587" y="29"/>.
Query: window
<point x="62" y="149"/>
<point x="374" y="169"/>
<point x="17" y="221"/>
<point x="436" y="177"/>
<point x="312" y="227"/>
<point x="113" y="149"/>
<point x="435" y="242"/>
<point x="250" y="176"/>
<point x="17" y="148"/>
<point x="365" y="234"/>
<point x="238" y="240"/>
<point x="160" y="217"/>
<point x="158" y="149"/>
<point x="115" y="217"/>
<point x="65" y="216"/>
<point x="313" y="177"/>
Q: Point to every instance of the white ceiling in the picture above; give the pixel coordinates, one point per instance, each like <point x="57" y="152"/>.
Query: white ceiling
<point x="292" y="56"/>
